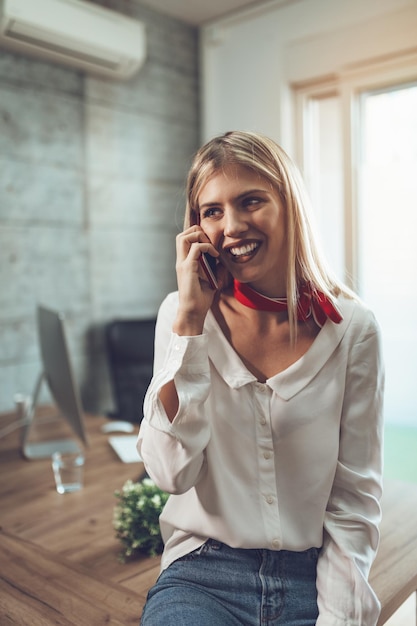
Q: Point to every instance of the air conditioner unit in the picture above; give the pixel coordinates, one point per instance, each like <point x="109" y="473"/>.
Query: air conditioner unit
<point x="75" y="33"/>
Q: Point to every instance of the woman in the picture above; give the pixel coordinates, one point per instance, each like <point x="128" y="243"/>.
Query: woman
<point x="263" y="418"/>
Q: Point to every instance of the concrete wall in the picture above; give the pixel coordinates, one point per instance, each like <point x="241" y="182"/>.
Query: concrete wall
<point x="91" y="197"/>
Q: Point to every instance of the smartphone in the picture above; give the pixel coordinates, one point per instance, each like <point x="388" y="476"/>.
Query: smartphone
<point x="208" y="263"/>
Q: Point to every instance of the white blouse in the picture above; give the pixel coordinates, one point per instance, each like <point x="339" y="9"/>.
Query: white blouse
<point x="290" y="464"/>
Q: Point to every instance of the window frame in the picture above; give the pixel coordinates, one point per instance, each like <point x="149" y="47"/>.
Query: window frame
<point x="350" y="85"/>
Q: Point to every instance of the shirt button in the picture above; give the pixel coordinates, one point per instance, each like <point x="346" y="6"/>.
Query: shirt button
<point x="267" y="454"/>
<point x="276" y="543"/>
<point x="269" y="499"/>
<point x="262" y="421"/>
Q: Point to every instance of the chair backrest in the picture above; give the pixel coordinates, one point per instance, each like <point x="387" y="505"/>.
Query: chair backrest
<point x="130" y="349"/>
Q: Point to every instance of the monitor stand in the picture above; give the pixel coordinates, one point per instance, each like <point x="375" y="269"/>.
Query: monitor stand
<point x="26" y="410"/>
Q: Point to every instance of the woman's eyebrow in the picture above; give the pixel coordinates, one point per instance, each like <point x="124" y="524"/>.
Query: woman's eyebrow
<point x="238" y="197"/>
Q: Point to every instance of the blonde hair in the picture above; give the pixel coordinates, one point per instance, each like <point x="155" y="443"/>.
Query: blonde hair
<point x="262" y="155"/>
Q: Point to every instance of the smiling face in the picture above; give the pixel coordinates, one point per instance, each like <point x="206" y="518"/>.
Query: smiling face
<point x="244" y="218"/>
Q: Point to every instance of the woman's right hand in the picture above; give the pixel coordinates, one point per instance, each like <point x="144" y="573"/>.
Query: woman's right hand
<point x="195" y="294"/>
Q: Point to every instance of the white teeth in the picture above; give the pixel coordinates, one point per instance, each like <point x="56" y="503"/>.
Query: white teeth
<point x="250" y="247"/>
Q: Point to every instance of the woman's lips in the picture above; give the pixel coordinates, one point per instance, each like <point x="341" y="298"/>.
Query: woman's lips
<point x="242" y="253"/>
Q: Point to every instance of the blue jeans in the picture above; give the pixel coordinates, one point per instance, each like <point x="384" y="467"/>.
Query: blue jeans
<point x="216" y="585"/>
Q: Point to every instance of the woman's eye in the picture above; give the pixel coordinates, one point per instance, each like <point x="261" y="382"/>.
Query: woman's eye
<point x="208" y="212"/>
<point x="252" y="201"/>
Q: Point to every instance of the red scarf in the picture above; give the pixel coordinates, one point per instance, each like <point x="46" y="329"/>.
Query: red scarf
<point x="310" y="302"/>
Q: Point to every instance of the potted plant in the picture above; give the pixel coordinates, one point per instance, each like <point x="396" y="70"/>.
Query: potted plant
<point x="136" y="518"/>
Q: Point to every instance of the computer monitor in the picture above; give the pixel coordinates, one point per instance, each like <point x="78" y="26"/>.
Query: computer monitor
<point x="57" y="373"/>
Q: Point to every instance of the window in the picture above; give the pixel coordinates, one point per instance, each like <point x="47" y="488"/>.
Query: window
<point x="387" y="246"/>
<point x="324" y="174"/>
<point x="358" y="149"/>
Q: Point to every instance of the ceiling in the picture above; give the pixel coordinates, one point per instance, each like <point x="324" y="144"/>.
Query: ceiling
<point x="198" y="12"/>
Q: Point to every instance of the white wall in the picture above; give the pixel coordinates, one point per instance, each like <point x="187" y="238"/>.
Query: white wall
<point x="250" y="61"/>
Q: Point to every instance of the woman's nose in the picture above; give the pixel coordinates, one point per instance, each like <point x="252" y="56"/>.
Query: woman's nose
<point x="234" y="223"/>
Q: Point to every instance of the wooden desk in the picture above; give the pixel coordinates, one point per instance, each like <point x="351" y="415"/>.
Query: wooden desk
<point x="38" y="586"/>
<point x="78" y="526"/>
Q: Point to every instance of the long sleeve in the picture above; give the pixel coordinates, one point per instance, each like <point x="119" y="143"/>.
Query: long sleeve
<point x="173" y="453"/>
<point x="353" y="513"/>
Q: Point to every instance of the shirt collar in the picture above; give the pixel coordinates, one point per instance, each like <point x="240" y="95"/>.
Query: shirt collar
<point x="293" y="379"/>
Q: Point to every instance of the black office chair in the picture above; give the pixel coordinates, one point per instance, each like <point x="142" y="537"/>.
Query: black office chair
<point x="130" y="348"/>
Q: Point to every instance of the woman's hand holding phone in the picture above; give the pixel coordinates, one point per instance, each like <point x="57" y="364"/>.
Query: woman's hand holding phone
<point x="196" y="278"/>
<point x="209" y="265"/>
